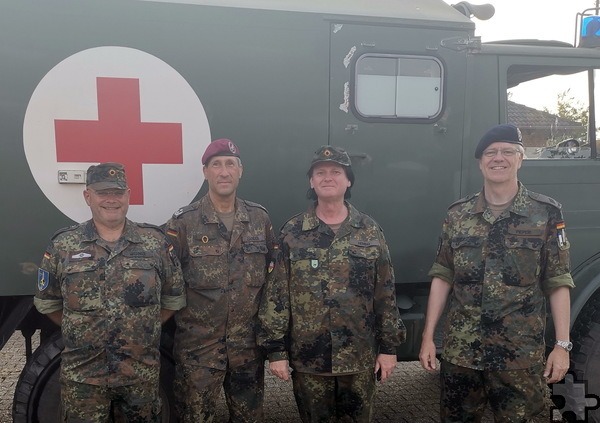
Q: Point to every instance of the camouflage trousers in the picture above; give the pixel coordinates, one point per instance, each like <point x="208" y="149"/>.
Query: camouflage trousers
<point x="324" y="399"/>
<point x="83" y="403"/>
<point x="513" y="395"/>
<point x="197" y="390"/>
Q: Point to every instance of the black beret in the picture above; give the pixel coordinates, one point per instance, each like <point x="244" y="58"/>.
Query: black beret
<point x="499" y="133"/>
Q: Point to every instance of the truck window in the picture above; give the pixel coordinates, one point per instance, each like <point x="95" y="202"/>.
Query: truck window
<point x="398" y="87"/>
<point x="551" y="112"/>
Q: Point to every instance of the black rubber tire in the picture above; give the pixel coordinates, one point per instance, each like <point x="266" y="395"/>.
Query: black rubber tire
<point x="37" y="394"/>
<point x="585" y="357"/>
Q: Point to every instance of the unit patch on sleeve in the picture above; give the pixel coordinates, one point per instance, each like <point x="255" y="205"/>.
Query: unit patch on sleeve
<point x="43" y="279"/>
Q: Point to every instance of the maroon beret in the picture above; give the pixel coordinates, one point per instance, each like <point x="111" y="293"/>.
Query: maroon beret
<point x="220" y="147"/>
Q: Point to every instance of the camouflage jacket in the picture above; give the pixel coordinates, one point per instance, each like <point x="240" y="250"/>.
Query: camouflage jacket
<point x="111" y="301"/>
<point x="330" y="305"/>
<point x="500" y="270"/>
<point x="224" y="279"/>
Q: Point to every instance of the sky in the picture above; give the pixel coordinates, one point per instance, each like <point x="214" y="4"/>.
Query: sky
<point x="518" y="19"/>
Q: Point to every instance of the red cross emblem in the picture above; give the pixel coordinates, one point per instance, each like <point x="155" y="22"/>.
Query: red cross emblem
<point x="119" y="135"/>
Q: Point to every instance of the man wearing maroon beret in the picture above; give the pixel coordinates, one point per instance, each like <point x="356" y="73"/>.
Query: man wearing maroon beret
<point x="226" y="246"/>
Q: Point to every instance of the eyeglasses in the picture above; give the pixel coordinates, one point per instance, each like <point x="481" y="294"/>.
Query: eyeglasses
<point x="105" y="193"/>
<point x="507" y="152"/>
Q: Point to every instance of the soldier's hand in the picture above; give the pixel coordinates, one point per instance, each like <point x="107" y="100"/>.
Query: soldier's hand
<point x="557" y="365"/>
<point x="280" y="368"/>
<point x="427" y="355"/>
<point x="385" y="365"/>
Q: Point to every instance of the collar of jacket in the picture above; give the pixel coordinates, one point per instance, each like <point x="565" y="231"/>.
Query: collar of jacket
<point x="90" y="234"/>
<point x="520" y="204"/>
<point x="209" y="214"/>
<point x="311" y="221"/>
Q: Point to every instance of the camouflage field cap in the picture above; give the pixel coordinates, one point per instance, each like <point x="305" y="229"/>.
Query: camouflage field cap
<point x="220" y="147"/>
<point x="106" y="176"/>
<point x="329" y="153"/>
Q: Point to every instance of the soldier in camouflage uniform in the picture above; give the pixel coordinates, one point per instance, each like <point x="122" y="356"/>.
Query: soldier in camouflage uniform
<point x="502" y="252"/>
<point x="109" y="283"/>
<point x="226" y="246"/>
<point x="329" y="309"/>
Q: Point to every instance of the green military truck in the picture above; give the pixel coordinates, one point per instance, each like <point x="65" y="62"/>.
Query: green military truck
<point x="405" y="86"/>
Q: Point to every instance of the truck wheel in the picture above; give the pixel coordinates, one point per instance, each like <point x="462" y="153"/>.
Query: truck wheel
<point x="585" y="363"/>
<point x="37" y="394"/>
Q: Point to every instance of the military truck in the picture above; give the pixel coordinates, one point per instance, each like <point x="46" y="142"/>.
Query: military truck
<point x="405" y="86"/>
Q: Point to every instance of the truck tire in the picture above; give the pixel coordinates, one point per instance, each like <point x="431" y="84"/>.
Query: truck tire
<point x="37" y="394"/>
<point x="585" y="361"/>
<point x="38" y="385"/>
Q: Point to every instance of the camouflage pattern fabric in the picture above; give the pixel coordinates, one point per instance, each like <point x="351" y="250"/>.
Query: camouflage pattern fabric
<point x="111" y="300"/>
<point x="106" y="176"/>
<point x="84" y="403"/>
<point x="514" y="395"/>
<point x="224" y="275"/>
<point x="198" y="388"/>
<point x="347" y="398"/>
<point x="500" y="270"/>
<point x="330" y="303"/>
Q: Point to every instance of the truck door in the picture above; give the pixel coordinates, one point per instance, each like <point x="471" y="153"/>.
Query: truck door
<point x="397" y="102"/>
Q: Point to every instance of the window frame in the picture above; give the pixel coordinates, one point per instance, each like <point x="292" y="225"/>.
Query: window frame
<point x="397" y="119"/>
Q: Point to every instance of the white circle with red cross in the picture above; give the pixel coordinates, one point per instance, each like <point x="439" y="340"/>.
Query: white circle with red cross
<point x="117" y="104"/>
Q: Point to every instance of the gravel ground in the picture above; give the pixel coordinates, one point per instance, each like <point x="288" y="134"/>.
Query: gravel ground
<point x="411" y="395"/>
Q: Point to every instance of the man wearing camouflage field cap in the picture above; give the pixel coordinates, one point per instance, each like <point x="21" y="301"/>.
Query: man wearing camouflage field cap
<point x="110" y="283"/>
<point x="329" y="308"/>
<point x="226" y="246"/>
<point x="501" y="253"/>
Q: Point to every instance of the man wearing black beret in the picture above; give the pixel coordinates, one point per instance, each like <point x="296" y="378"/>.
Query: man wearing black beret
<point x="502" y="251"/>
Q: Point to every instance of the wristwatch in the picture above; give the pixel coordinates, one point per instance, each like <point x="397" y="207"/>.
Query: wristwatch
<point x="567" y="345"/>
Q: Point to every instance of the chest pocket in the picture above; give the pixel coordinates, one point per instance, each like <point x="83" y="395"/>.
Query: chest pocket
<point x="523" y="256"/>
<point x="307" y="268"/>
<point x="466" y="241"/>
<point x="362" y="266"/>
<point x="207" y="250"/>
<point x="255" y="262"/>
<point x="361" y="252"/>
<point x="469" y="267"/>
<point x="208" y="267"/>
<point x="255" y="248"/>
<point x="141" y="282"/>
<point x="306" y="260"/>
<point x="80" y="287"/>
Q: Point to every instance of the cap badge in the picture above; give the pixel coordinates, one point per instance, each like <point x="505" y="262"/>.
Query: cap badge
<point x="204" y="239"/>
<point x="327" y="153"/>
<point x="112" y="172"/>
<point x="232" y="148"/>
